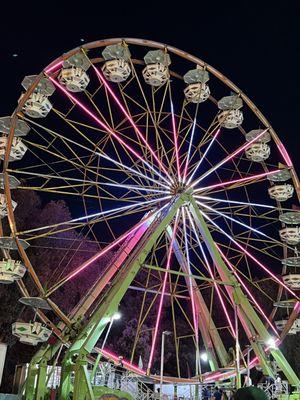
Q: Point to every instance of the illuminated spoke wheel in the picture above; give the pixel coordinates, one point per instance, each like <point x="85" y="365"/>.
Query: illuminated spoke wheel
<point x="175" y="196"/>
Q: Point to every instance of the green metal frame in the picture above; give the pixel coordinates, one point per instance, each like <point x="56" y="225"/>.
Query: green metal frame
<point x="76" y="360"/>
<point x="246" y="312"/>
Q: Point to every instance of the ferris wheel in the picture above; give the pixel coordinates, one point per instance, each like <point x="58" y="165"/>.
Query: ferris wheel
<point x="179" y="189"/>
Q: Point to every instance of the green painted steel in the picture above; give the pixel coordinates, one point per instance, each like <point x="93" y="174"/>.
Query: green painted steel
<point x="76" y="359"/>
<point x="210" y="335"/>
<point x="90" y="334"/>
<point x="243" y="303"/>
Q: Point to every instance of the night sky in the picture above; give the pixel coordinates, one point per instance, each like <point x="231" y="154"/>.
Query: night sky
<point x="255" y="44"/>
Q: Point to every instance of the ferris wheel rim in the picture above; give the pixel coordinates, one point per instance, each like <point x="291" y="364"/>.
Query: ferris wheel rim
<point x="147" y="43"/>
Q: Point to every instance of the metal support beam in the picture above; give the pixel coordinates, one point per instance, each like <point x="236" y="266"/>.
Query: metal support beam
<point x="90" y="334"/>
<point x="242" y="302"/>
<point x="210" y="335"/>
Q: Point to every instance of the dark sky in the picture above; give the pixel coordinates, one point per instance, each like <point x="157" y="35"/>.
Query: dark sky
<point x="256" y="44"/>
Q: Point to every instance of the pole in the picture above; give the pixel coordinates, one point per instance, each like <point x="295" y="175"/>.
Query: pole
<point x="93" y="374"/>
<point x="162" y="364"/>
<point x="248" y="364"/>
<point x="237" y="349"/>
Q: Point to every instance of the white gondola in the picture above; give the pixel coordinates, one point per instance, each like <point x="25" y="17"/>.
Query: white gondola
<point x="280" y="176"/>
<point x="116" y="67"/>
<point x="31" y="332"/>
<point x="293" y="262"/>
<point x="258" y="152"/>
<point x="12" y="181"/>
<point x="292" y="281"/>
<point x="3" y="207"/>
<point x="37" y="105"/>
<point x="116" y="70"/>
<point x="197" y="91"/>
<point x="281" y="192"/>
<point x="11" y="271"/>
<point x="75" y="79"/>
<point x="17" y="151"/>
<point x="21" y="127"/>
<point x="231" y="116"/>
<point x="156" y="73"/>
<point x="290" y="235"/>
<point x="231" y="119"/>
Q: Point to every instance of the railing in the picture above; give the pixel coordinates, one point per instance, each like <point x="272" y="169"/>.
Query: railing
<point x="125" y="381"/>
<point x="274" y="390"/>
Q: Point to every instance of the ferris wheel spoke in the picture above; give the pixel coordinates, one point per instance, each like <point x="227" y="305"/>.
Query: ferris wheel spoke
<point x="203" y="156"/>
<point x="252" y="229"/>
<point x="90" y="223"/>
<point x="191" y="289"/>
<point x="136" y="129"/>
<point x="219" y="200"/>
<point x="247" y="290"/>
<point x="228" y="158"/>
<point x="102" y="213"/>
<point x="250" y="255"/>
<point x="110" y="131"/>
<point x="248" y="180"/>
<point x="233" y="332"/>
<point x="96" y="153"/>
<point x="151" y="115"/>
<point x="170" y="251"/>
<point x="187" y="159"/>
<point x="96" y="146"/>
<point x="87" y="263"/>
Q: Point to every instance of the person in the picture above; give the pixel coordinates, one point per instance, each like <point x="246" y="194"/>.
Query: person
<point x="217" y="394"/>
<point x="278" y="384"/>
<point x="106" y="370"/>
<point x="205" y="393"/>
<point x="247" y="381"/>
<point x="118" y="373"/>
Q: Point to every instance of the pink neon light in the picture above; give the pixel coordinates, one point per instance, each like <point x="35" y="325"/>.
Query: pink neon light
<point x="285" y="155"/>
<point x="297" y="306"/>
<point x="50" y="69"/>
<point x="103" y="125"/>
<point x="111" y="246"/>
<point x="162" y="294"/>
<point x="204" y="154"/>
<point x="189" y="150"/>
<point x="226" y="375"/>
<point x="228" y="158"/>
<point x="128" y="364"/>
<point x="251" y="256"/>
<point x="103" y="80"/>
<point x="212" y="276"/>
<point x="247" y="290"/>
<point x="248" y="178"/>
<point x="175" y="135"/>
<point x="195" y="319"/>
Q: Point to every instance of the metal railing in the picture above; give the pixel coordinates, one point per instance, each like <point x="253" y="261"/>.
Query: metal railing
<point x="126" y="381"/>
<point x="275" y="390"/>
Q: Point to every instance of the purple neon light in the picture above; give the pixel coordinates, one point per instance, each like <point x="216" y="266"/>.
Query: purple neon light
<point x="162" y="293"/>
<point x="212" y="276"/>
<point x="248" y="178"/>
<point x="228" y="158"/>
<point x="195" y="319"/>
<point x="250" y="255"/>
<point x="247" y="290"/>
<point x="106" y="127"/>
<point x="203" y="156"/>
<point x="103" y="80"/>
